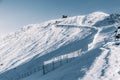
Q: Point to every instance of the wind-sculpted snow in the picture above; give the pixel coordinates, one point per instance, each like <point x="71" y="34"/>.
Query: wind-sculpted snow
<point x="23" y="52"/>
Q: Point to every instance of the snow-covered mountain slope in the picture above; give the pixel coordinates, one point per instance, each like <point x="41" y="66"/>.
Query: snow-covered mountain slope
<point x="22" y="52"/>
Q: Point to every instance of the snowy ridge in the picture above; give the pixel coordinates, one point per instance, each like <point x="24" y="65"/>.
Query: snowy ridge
<point x="34" y="44"/>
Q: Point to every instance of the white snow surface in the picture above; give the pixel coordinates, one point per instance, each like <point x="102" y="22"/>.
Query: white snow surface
<point x="41" y="44"/>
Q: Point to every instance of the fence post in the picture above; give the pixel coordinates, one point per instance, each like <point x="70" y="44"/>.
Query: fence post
<point x="43" y="69"/>
<point x="67" y="59"/>
<point x="53" y="64"/>
<point x="60" y="59"/>
<point x="80" y="51"/>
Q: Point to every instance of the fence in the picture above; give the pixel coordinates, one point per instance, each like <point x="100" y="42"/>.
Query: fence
<point x="47" y="67"/>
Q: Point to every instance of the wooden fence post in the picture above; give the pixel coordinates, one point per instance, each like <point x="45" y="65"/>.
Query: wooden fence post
<point x="43" y="69"/>
<point x="60" y="59"/>
<point x="53" y="64"/>
<point x="67" y="59"/>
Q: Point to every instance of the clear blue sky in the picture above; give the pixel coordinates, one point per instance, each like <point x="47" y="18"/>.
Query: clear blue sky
<point x="17" y="13"/>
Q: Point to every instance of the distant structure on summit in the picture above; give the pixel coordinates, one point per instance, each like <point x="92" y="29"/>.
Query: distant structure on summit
<point x="64" y="16"/>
